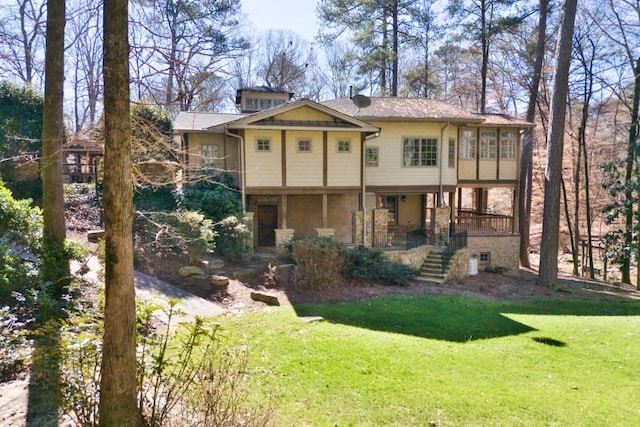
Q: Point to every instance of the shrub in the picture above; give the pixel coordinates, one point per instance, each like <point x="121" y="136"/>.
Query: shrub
<point x="176" y="231"/>
<point x="319" y="260"/>
<point x="150" y="198"/>
<point x="371" y="264"/>
<point x="216" y="199"/>
<point x="235" y="240"/>
<point x="14" y="346"/>
<point x="187" y="375"/>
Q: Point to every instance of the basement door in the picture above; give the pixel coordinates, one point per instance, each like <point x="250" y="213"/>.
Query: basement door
<point x="267" y="224"/>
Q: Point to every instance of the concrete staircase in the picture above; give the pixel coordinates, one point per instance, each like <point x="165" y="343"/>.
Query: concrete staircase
<point x="431" y="270"/>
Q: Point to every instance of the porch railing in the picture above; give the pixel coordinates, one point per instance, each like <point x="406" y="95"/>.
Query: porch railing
<point x="398" y="241"/>
<point x="489" y="223"/>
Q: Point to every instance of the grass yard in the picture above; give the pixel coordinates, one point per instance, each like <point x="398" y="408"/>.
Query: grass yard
<point x="448" y="361"/>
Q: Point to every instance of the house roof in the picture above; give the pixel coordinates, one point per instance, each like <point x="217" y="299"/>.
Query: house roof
<point x="394" y="108"/>
<point x="266" y="119"/>
<point x="190" y="120"/>
<point x="503" y="120"/>
<point x="261" y="89"/>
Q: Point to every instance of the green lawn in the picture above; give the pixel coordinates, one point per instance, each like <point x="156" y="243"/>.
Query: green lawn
<point x="457" y="361"/>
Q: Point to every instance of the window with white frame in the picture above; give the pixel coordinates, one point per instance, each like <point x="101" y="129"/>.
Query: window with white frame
<point x="467" y="145"/>
<point x="344" y="146"/>
<point x="508" y="145"/>
<point x="452" y="153"/>
<point x="371" y="156"/>
<point x="304" y="145"/>
<point x="488" y="145"/>
<point x="208" y="155"/>
<point x="263" y="144"/>
<point x="420" y="152"/>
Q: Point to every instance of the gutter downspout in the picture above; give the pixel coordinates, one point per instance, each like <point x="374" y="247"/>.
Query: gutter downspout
<point x="364" y="181"/>
<point x="241" y="171"/>
<point x="440" y="190"/>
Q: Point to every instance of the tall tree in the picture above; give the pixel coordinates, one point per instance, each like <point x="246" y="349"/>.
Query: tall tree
<point x="481" y="21"/>
<point x="375" y="28"/>
<point x="22" y="31"/>
<point x="619" y="21"/>
<point x="526" y="150"/>
<point x="179" y="44"/>
<point x="118" y="383"/>
<point x="555" y="147"/>
<point x="56" y="268"/>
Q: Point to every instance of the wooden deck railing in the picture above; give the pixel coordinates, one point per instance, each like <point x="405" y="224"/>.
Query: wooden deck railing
<point x="484" y="223"/>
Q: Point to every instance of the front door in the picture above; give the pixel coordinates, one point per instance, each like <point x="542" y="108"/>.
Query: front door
<point x="267" y="223"/>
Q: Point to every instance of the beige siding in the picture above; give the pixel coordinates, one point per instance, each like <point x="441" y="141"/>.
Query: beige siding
<point x="410" y="211"/>
<point x="466" y="169"/>
<point x="508" y="169"/>
<point x="263" y="168"/>
<point x="304" y="169"/>
<point x="343" y="168"/>
<point x="449" y="175"/>
<point x="488" y="169"/>
<point x="304" y="113"/>
<point x="390" y="170"/>
<point x="340" y="211"/>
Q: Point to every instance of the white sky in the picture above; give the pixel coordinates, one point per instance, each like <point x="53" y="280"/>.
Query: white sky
<point x="298" y="16"/>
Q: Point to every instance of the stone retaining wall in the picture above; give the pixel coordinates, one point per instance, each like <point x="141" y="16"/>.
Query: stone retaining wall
<point x="413" y="257"/>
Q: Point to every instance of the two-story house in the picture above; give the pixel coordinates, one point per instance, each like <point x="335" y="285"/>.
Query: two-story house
<point x="307" y="168"/>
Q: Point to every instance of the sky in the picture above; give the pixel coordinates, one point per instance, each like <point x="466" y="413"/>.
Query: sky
<point x="298" y="16"/>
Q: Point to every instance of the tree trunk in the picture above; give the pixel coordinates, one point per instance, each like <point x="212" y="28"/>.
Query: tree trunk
<point x="632" y="152"/>
<point x="553" y="172"/>
<point x="526" y="152"/>
<point x="484" y="41"/>
<point x="394" y="59"/>
<point x="56" y="268"/>
<point x="118" y="384"/>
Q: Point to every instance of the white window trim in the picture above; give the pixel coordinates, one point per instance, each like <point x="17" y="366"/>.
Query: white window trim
<point x="258" y="139"/>
<point x="299" y="140"/>
<point x="348" y="141"/>
<point x="366" y="157"/>
<point x="418" y="138"/>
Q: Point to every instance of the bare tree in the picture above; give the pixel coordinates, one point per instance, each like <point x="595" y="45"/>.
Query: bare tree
<point x="180" y="44"/>
<point x="85" y="58"/>
<point x="526" y="151"/>
<point x="56" y="264"/>
<point x="118" y="405"/>
<point x="22" y="31"/>
<point x="286" y="60"/>
<point x="555" y="146"/>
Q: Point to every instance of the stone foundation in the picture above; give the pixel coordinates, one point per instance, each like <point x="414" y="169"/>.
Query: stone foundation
<point x="283" y="236"/>
<point x="326" y="232"/>
<point x="502" y="249"/>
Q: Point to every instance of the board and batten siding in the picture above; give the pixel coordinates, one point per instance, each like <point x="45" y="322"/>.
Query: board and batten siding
<point x="390" y="170"/>
<point x="343" y="168"/>
<point x="263" y="168"/>
<point x="305" y="169"/>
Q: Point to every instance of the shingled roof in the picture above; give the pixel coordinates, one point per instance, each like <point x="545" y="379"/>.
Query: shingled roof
<point x="394" y="108"/>
<point x="190" y="120"/>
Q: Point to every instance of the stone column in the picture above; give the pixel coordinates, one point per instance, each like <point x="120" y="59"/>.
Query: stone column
<point x="283" y="236"/>
<point x="326" y="232"/>
<point x="441" y="225"/>
<point x="248" y="222"/>
<point x="380" y="226"/>
<point x="358" y="227"/>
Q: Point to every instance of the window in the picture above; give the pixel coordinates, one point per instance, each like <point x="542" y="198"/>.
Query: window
<point x="485" y="257"/>
<point x="263" y="144"/>
<point x="304" y="145"/>
<point x="452" y="153"/>
<point x="208" y="155"/>
<point x="252" y="104"/>
<point x="508" y="145"/>
<point x="467" y="150"/>
<point x="420" y="152"/>
<point x="344" y="146"/>
<point x="371" y="156"/>
<point x="488" y="145"/>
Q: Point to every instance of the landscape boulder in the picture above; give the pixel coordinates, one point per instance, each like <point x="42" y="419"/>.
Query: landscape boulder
<point x="219" y="282"/>
<point x="265" y="297"/>
<point x="191" y="271"/>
